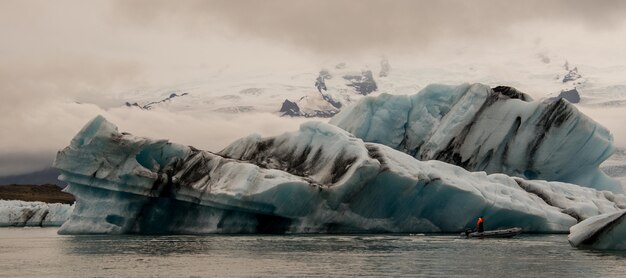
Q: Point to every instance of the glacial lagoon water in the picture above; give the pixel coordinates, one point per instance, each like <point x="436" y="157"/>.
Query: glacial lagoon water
<point x="40" y="252"/>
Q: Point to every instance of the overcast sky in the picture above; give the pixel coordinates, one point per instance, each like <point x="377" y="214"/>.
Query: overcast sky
<point x="56" y="53"/>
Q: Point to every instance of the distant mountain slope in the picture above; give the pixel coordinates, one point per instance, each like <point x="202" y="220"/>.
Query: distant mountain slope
<point x="46" y="176"/>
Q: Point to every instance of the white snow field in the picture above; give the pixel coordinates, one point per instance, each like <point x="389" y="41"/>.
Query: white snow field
<point x="318" y="179"/>
<point x="20" y="213"/>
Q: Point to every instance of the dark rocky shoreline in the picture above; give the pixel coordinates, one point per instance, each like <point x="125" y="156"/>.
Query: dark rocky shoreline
<point x="48" y="193"/>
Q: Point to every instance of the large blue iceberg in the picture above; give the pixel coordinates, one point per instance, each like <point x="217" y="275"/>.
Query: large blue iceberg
<point x="319" y="179"/>
<point x="499" y="130"/>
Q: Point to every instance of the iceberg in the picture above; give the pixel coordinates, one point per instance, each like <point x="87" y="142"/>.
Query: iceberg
<point x="499" y="130"/>
<point x="15" y="213"/>
<point x="606" y="232"/>
<point x="319" y="179"/>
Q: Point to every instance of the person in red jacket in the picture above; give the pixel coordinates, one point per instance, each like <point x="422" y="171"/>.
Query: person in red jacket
<point x="479" y="224"/>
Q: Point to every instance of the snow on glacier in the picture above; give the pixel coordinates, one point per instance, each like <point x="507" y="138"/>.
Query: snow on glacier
<point x="317" y="179"/>
<point x="15" y="213"/>
<point x="606" y="231"/>
<point x="499" y="130"/>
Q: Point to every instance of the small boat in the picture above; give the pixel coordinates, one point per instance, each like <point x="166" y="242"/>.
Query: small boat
<point x="505" y="233"/>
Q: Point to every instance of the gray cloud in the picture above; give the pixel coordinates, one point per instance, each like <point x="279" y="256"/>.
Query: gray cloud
<point x="353" y="26"/>
<point x="54" y="53"/>
<point x="30" y="140"/>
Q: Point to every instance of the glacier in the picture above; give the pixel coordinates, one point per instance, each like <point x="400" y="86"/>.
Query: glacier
<point x="606" y="232"/>
<point x="499" y="130"/>
<point x="318" y="179"/>
<point x="14" y="213"/>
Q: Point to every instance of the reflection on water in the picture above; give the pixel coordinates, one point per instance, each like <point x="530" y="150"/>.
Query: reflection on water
<point x="40" y="252"/>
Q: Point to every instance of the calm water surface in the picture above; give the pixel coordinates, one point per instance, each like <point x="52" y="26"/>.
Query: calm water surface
<point x="40" y="252"/>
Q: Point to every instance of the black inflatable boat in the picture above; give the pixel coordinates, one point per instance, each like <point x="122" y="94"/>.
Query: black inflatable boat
<point x="493" y="234"/>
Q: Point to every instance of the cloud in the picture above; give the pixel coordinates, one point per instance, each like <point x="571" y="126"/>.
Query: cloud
<point x="30" y="140"/>
<point x="208" y="131"/>
<point x="355" y="26"/>
<point x="612" y="118"/>
<point x="57" y="53"/>
<point x="32" y="135"/>
<point x="65" y="62"/>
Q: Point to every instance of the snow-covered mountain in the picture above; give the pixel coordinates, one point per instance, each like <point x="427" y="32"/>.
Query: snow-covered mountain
<point x="306" y="94"/>
<point x="325" y="90"/>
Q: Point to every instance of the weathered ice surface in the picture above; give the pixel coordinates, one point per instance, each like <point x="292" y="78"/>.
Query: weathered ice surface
<point x="499" y="130"/>
<point x="20" y="213"/>
<point x="606" y="231"/>
<point x="318" y="179"/>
